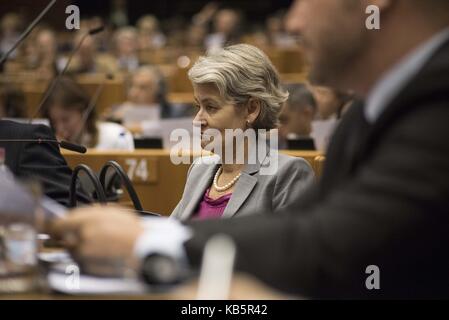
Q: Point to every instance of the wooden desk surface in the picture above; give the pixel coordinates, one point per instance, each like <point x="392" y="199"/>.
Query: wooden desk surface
<point x="158" y="182"/>
<point x="243" y="287"/>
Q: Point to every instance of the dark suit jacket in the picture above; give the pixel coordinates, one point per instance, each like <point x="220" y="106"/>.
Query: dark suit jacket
<point x="41" y="161"/>
<point x="383" y="203"/>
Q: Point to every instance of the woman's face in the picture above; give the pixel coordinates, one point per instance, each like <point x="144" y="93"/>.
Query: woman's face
<point x="66" y="122"/>
<point x="214" y="113"/>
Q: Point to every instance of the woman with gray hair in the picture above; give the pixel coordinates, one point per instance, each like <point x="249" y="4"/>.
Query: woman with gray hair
<point x="237" y="88"/>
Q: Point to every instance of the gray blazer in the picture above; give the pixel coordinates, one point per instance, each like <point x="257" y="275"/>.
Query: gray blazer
<point x="254" y="193"/>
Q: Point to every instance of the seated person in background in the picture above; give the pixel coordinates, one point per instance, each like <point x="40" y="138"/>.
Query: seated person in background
<point x="146" y="105"/>
<point x="194" y="36"/>
<point x="196" y="33"/>
<point x="331" y="103"/>
<point x="42" y="53"/>
<point x="296" y="119"/>
<point x="226" y="29"/>
<point x="103" y="39"/>
<point x="12" y="102"/>
<point x="66" y="109"/>
<point x="126" y="48"/>
<point x="150" y="37"/>
<point x="276" y="34"/>
<point x="10" y="26"/>
<point x="238" y="88"/>
<point x="37" y="160"/>
<point x="88" y="60"/>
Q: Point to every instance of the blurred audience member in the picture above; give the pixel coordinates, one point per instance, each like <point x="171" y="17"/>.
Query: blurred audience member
<point x="103" y="38"/>
<point x="126" y="45"/>
<point x="296" y="118"/>
<point x="276" y="34"/>
<point x="226" y="29"/>
<point x="146" y="104"/>
<point x="67" y="111"/>
<point x="195" y="36"/>
<point x="88" y="60"/>
<point x="10" y="27"/>
<point x="119" y="14"/>
<point x="205" y="16"/>
<point x="150" y="36"/>
<point x="41" y="53"/>
<point x="12" y="103"/>
<point x="331" y="103"/>
<point x="175" y="28"/>
<point x="257" y="37"/>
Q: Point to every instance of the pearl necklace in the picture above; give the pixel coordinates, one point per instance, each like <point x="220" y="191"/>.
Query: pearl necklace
<point x="227" y="186"/>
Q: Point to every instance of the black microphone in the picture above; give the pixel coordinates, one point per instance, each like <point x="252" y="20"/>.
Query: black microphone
<point x="27" y="32"/>
<point x="72" y="147"/>
<point x="92" y="104"/>
<point x="60" y="74"/>
<point x="62" y="144"/>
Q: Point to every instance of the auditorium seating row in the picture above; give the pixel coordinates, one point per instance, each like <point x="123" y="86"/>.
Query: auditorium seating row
<point x="174" y="64"/>
<point x="158" y="182"/>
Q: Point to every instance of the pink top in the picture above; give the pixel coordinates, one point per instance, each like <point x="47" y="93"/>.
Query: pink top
<point x="210" y="208"/>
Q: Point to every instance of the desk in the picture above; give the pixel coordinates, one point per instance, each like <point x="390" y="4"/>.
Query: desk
<point x="158" y="182"/>
<point x="243" y="287"/>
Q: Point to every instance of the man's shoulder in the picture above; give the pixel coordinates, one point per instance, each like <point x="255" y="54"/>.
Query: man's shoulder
<point x="22" y="130"/>
<point x="431" y="84"/>
<point x="424" y="99"/>
<point x="11" y="128"/>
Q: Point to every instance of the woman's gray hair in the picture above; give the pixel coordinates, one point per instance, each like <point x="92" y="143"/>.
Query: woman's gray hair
<point x="241" y="72"/>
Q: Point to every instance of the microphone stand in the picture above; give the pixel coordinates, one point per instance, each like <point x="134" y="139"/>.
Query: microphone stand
<point x="91" y="106"/>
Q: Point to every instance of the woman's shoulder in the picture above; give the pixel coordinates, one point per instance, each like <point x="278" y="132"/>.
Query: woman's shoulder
<point x="203" y="162"/>
<point x="201" y="167"/>
<point x="293" y="173"/>
<point x="288" y="165"/>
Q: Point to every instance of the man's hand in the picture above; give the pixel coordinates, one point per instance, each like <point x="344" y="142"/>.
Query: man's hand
<point x="101" y="239"/>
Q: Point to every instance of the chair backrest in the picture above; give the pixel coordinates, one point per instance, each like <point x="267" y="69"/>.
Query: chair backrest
<point x="157" y="180"/>
<point x="301" y="144"/>
<point x="318" y="165"/>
